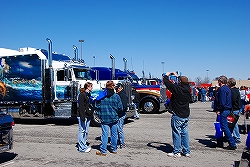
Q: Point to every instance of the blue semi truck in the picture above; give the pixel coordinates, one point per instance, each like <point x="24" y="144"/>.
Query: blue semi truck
<point x="152" y="97"/>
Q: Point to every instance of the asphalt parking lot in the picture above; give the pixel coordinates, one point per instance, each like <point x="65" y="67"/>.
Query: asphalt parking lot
<point x="148" y="141"/>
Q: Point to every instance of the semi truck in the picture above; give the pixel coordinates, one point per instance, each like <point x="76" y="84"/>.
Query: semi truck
<point x="36" y="83"/>
<point x="152" y="97"/>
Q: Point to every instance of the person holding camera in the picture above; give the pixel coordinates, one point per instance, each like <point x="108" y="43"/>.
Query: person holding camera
<point x="179" y="107"/>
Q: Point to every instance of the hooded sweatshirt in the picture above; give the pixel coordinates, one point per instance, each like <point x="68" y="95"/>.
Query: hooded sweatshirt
<point x="109" y="107"/>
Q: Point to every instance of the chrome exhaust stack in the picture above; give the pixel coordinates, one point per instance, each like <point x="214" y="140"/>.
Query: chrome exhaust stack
<point x="125" y="64"/>
<point x="48" y="84"/>
<point x="113" y="66"/>
<point x="49" y="52"/>
<point x="75" y="53"/>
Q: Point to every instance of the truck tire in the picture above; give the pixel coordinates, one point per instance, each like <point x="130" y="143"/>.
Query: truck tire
<point x="149" y="106"/>
<point x="95" y="120"/>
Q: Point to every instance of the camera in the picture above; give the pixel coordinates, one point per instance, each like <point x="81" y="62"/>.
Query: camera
<point x="173" y="78"/>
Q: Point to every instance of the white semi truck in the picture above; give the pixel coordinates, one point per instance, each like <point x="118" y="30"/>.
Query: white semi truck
<point x="36" y="83"/>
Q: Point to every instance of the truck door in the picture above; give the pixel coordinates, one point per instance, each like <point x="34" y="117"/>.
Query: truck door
<point x="62" y="84"/>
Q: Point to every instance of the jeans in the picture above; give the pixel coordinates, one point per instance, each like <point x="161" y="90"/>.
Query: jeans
<point x="83" y="129"/>
<point x="243" y="103"/>
<point x="105" y="134"/>
<point x="120" y="125"/>
<point x="136" y="110"/>
<point x="225" y="128"/>
<point x="180" y="134"/>
<point x="236" y="132"/>
<point x="203" y="97"/>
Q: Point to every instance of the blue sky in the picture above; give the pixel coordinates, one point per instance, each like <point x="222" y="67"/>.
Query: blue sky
<point x="195" y="37"/>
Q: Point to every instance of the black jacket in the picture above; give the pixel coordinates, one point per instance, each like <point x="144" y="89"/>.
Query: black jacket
<point x="236" y="101"/>
<point x="83" y="105"/>
<point x="181" y="96"/>
<point x="124" y="99"/>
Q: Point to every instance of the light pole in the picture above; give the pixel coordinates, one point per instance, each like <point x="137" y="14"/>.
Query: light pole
<point x="81" y="41"/>
<point x="207" y="73"/>
<point x="162" y="66"/>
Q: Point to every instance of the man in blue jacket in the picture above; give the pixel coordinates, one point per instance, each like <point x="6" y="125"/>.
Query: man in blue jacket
<point x="223" y="107"/>
<point x="107" y="109"/>
<point x="179" y="107"/>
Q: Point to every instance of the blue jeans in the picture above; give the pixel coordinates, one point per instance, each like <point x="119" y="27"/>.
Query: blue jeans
<point x="136" y="110"/>
<point x="243" y="103"/>
<point x="83" y="129"/>
<point x="236" y="132"/>
<point x="105" y="134"/>
<point x="180" y="134"/>
<point x="225" y="128"/>
<point x="203" y="97"/>
<point x="120" y="125"/>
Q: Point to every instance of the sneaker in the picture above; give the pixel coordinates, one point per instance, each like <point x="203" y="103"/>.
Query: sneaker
<point x="238" y="141"/>
<point x="113" y="152"/>
<point x="100" y="153"/>
<point x="186" y="155"/>
<point x="177" y="155"/>
<point x="122" y="146"/>
<point x="88" y="150"/>
<point x="231" y="147"/>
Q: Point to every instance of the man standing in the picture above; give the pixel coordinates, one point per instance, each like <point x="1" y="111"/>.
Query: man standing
<point x="179" y="107"/>
<point x="203" y="94"/>
<point x="107" y="109"/>
<point x="236" y="106"/>
<point x="223" y="106"/>
<point x="122" y="115"/>
<point x="136" y="99"/>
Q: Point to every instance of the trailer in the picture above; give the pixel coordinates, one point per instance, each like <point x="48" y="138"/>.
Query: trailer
<point x="36" y="83"/>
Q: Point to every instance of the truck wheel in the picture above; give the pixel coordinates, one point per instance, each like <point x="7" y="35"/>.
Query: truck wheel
<point x="95" y="120"/>
<point x="149" y="106"/>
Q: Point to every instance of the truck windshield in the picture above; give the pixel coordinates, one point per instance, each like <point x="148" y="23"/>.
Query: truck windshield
<point x="82" y="74"/>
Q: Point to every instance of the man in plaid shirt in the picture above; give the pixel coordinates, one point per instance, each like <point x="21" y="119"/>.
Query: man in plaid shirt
<point x="108" y="109"/>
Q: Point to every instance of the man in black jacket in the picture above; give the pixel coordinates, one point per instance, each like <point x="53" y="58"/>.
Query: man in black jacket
<point x="122" y="115"/>
<point x="179" y="106"/>
<point x="236" y="106"/>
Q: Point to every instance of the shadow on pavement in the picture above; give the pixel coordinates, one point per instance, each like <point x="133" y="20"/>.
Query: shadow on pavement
<point x="7" y="156"/>
<point x="208" y="142"/>
<point x="165" y="147"/>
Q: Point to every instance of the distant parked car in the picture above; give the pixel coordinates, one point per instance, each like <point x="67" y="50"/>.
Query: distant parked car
<point x="6" y="132"/>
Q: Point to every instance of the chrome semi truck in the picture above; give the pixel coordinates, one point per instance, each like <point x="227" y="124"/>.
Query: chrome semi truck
<point x="36" y="83"/>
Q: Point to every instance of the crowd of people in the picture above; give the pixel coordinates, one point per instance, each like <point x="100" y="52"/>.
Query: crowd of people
<point x="111" y="106"/>
<point x="227" y="100"/>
